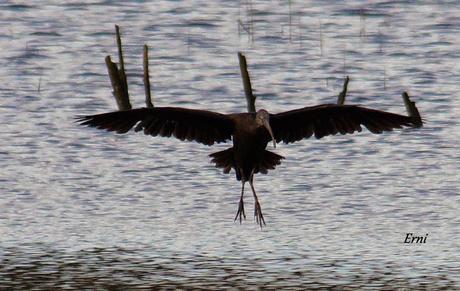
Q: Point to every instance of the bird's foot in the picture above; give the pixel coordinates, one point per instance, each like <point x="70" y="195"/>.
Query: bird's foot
<point x="259" y="217"/>
<point x="240" y="214"/>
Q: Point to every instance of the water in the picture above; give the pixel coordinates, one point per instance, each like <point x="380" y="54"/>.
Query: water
<point x="81" y="208"/>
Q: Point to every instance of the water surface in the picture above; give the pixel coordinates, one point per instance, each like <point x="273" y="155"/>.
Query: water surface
<point x="81" y="208"/>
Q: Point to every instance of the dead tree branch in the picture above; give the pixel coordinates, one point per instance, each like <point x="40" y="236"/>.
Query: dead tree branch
<point x="250" y="97"/>
<point x="148" y="95"/>
<point x="412" y="110"/>
<point x="117" y="85"/>
<point x="118" y="77"/>
<point x="343" y="94"/>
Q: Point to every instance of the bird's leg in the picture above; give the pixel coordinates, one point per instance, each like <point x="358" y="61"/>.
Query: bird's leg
<point x="259" y="217"/>
<point x="240" y="214"/>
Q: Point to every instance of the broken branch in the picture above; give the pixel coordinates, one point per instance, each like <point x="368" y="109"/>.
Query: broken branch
<point x="412" y="110"/>
<point x="118" y="77"/>
<point x="343" y="94"/>
<point x="117" y="85"/>
<point x="250" y="98"/>
<point x="148" y="95"/>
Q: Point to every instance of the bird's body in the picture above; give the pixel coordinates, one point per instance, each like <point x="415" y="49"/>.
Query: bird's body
<point x="250" y="132"/>
<point x="249" y="144"/>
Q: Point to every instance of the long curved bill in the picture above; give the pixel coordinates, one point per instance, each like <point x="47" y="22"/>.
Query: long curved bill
<point x="269" y="128"/>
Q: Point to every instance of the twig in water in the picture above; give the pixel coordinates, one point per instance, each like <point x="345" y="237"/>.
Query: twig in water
<point x="290" y="21"/>
<point x="39" y="84"/>
<point x="362" y="31"/>
<point x="384" y="78"/>
<point x="321" y="37"/>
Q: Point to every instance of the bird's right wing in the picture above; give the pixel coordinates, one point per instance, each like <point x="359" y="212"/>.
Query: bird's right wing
<point x="202" y="126"/>
<point x="330" y="119"/>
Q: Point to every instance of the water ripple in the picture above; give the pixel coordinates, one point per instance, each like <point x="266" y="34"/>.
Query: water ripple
<point x="86" y="209"/>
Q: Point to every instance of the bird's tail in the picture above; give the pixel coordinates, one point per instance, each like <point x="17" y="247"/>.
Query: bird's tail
<point x="269" y="162"/>
<point x="225" y="160"/>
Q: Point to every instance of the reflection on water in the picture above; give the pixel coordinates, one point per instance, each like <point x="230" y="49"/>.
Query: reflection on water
<point x="122" y="268"/>
<point x="81" y="208"/>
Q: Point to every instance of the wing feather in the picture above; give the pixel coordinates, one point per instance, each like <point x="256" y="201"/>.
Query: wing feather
<point x="185" y="124"/>
<point x="330" y="119"/>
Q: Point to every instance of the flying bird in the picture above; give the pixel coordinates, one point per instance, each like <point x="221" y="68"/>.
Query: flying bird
<point x="250" y="133"/>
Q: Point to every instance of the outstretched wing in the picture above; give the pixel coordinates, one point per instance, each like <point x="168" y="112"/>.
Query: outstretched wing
<point x="330" y="119"/>
<point x="203" y="126"/>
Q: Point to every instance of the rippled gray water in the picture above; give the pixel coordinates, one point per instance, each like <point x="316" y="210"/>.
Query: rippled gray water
<point x="81" y="208"/>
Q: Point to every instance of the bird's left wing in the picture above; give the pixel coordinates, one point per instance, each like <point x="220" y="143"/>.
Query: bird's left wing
<point x="330" y="119"/>
<point x="203" y="126"/>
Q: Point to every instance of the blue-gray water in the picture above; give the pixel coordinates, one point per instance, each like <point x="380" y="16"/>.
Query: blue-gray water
<point x="82" y="208"/>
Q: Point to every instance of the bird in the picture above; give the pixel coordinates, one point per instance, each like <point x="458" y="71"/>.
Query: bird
<point x="250" y="133"/>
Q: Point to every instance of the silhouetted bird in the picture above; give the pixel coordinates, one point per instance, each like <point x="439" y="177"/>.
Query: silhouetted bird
<point x="250" y="132"/>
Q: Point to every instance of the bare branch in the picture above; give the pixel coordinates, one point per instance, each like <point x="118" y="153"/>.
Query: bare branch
<point x="343" y="94"/>
<point x="412" y="110"/>
<point x="117" y="85"/>
<point x="148" y="95"/>
<point x="122" y="62"/>
<point x="250" y="98"/>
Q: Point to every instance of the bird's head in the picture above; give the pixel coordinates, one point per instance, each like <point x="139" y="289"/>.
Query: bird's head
<point x="263" y="120"/>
